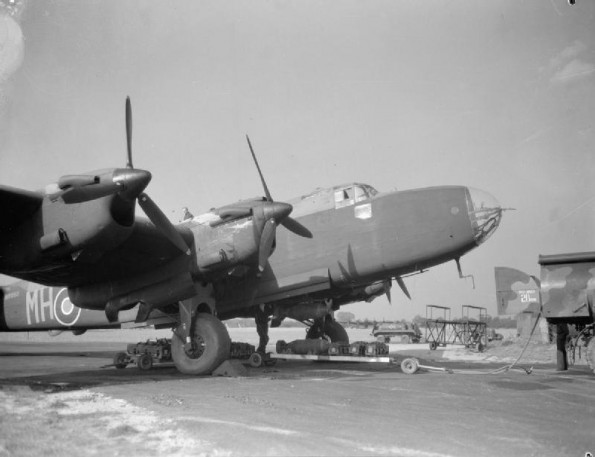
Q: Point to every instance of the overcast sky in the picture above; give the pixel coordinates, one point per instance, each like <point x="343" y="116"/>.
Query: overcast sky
<point x="495" y="95"/>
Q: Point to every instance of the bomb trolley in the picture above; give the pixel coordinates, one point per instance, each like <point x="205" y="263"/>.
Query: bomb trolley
<point x="323" y="351"/>
<point x="150" y="352"/>
<point x="469" y="332"/>
<point x="145" y="354"/>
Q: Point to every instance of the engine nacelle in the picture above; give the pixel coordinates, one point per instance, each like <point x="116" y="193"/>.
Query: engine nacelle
<point x="220" y="248"/>
<point x="99" y="225"/>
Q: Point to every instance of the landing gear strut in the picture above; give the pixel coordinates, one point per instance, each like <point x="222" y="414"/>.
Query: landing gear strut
<point x="262" y="328"/>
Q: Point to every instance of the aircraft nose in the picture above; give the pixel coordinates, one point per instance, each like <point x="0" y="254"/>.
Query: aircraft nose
<point x="485" y="214"/>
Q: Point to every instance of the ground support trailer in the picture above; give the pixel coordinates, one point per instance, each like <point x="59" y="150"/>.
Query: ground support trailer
<point x="145" y="354"/>
<point x="467" y="332"/>
<point x="358" y="352"/>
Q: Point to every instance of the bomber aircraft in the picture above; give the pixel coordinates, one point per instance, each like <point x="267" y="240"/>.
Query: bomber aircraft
<point x="342" y="244"/>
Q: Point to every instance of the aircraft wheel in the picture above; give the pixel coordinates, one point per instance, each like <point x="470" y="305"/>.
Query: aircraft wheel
<point x="145" y="362"/>
<point x="121" y="360"/>
<point x="433" y="346"/>
<point x="409" y="366"/>
<point x="210" y="347"/>
<point x="591" y="353"/>
<point x="333" y="332"/>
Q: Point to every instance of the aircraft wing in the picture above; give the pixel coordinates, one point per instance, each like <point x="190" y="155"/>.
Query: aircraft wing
<point x="17" y="205"/>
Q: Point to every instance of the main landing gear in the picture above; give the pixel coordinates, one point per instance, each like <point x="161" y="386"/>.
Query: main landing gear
<point x="328" y="329"/>
<point x="200" y="344"/>
<point x="325" y="328"/>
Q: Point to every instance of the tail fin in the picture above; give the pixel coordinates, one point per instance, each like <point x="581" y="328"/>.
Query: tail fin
<point x="516" y="291"/>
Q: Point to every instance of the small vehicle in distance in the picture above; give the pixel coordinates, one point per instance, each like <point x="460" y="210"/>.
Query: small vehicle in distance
<point x="397" y="332"/>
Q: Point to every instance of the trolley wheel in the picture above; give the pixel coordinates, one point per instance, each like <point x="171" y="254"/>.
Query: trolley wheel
<point x="144" y="362"/>
<point x="121" y="360"/>
<point x="433" y="346"/>
<point x="409" y="366"/>
<point x="256" y="360"/>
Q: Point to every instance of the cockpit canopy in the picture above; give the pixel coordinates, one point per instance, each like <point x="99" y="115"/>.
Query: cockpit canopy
<point x="332" y="198"/>
<point x="353" y="193"/>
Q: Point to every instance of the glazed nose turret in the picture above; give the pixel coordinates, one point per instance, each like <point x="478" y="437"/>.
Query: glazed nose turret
<point x="484" y="212"/>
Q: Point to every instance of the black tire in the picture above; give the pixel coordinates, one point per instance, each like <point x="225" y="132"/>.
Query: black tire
<point x="256" y="360"/>
<point x="409" y="366"/>
<point x="333" y="332"/>
<point x="433" y="346"/>
<point x="211" y="347"/>
<point x="121" y="360"/>
<point x="144" y="362"/>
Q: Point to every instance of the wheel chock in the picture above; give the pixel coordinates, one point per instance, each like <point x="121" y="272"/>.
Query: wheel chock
<point x="232" y="368"/>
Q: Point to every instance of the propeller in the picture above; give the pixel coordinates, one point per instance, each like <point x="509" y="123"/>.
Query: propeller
<point x="274" y="213"/>
<point x="403" y="287"/>
<point x="128" y="182"/>
<point x="153" y="212"/>
<point x="267" y="239"/>
<point x="129" y="132"/>
<point x="289" y="223"/>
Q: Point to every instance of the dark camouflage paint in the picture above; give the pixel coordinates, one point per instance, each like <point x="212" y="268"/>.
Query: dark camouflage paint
<point x="567" y="287"/>
<point x="516" y="291"/>
<point x="565" y="292"/>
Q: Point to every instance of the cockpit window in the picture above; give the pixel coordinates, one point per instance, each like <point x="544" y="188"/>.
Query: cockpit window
<point x="360" y="193"/>
<point x="351" y="195"/>
<point x="344" y="197"/>
<point x="371" y="191"/>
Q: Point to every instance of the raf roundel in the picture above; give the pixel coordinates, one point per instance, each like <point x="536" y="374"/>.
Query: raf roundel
<point x="66" y="313"/>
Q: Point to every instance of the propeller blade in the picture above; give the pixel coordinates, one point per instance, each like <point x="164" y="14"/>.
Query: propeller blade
<point x="389" y="296"/>
<point x="294" y="226"/>
<point x="266" y="244"/>
<point x="162" y="222"/>
<point x="402" y="285"/>
<point x="129" y="132"/>
<point x="264" y="184"/>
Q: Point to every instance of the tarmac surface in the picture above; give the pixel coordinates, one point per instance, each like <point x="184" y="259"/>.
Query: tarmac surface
<point x="293" y="408"/>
